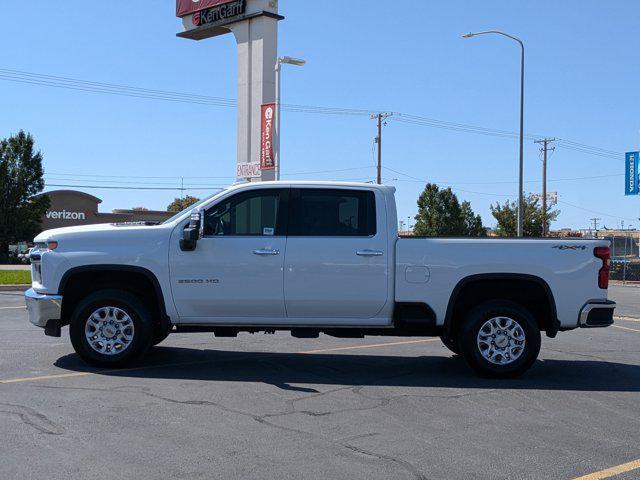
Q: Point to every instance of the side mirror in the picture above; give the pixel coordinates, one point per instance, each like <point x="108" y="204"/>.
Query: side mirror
<point x="193" y="232"/>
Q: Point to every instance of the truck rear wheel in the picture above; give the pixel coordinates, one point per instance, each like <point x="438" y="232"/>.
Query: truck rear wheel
<point x="110" y="328"/>
<point x="499" y="339"/>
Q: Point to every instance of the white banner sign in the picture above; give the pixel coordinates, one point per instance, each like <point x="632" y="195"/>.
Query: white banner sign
<point x="248" y="170"/>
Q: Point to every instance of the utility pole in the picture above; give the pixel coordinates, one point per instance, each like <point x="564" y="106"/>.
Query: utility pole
<point x="595" y="225"/>
<point x="544" y="149"/>
<point x="380" y="117"/>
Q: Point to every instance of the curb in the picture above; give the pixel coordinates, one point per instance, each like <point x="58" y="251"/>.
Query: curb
<point x="14" y="288"/>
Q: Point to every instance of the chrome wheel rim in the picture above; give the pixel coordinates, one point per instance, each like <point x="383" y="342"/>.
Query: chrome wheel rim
<point x="109" y="330"/>
<point x="501" y="340"/>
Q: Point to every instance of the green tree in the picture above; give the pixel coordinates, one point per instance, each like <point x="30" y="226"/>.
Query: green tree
<point x="507" y="217"/>
<point x="440" y="214"/>
<point x="21" y="208"/>
<point x="180" y="204"/>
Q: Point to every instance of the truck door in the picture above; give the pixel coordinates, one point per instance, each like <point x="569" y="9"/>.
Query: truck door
<point x="236" y="270"/>
<point x="336" y="260"/>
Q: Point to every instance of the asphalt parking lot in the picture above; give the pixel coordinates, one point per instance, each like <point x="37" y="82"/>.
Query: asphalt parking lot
<point x="270" y="406"/>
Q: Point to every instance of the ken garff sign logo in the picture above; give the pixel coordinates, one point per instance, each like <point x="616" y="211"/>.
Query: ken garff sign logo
<point x="267" y="162"/>
<point x="223" y="11"/>
<point x="631" y="177"/>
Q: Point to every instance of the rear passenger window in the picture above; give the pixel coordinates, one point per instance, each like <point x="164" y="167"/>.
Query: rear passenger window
<point x="332" y="213"/>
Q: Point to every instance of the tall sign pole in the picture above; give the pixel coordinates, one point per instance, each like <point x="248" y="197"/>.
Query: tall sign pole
<point x="254" y="24"/>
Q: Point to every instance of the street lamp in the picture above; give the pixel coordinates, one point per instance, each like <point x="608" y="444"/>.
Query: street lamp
<point x="290" y="61"/>
<point x="521" y="162"/>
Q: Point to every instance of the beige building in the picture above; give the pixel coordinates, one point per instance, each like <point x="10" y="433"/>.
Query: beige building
<point x="71" y="207"/>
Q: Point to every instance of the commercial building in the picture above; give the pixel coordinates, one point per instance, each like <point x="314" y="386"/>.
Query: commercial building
<point x="71" y="207"/>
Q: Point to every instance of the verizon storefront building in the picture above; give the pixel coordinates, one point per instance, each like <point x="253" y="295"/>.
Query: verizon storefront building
<point x="70" y="207"/>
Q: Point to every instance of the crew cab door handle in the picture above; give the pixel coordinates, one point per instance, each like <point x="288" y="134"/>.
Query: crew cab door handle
<point x="266" y="251"/>
<point x="369" y="253"/>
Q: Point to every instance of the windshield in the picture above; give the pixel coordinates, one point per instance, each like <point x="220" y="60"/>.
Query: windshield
<point x="191" y="207"/>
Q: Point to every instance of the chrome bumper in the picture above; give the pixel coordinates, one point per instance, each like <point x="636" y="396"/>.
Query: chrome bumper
<point x="42" y="308"/>
<point x="597" y="313"/>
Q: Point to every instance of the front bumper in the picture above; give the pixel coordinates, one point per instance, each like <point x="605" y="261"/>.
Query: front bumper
<point x="44" y="310"/>
<point x="596" y="313"/>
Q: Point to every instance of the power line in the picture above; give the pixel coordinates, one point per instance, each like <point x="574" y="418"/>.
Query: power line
<point x="594" y="211"/>
<point x="112" y="187"/>
<point x="69" y="83"/>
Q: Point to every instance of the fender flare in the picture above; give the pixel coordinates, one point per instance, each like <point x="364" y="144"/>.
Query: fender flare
<point x="165" y="320"/>
<point x="554" y="327"/>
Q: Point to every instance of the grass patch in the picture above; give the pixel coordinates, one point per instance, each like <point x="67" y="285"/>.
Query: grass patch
<point x="15" y="277"/>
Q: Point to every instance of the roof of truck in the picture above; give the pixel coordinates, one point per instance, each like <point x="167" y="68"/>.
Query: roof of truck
<point x="319" y="183"/>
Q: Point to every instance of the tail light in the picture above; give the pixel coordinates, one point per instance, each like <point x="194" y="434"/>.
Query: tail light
<point x="604" y="254"/>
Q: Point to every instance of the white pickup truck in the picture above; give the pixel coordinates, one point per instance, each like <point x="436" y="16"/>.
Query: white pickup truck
<point x="311" y="258"/>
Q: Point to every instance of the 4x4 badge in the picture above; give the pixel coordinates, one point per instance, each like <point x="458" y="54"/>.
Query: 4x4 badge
<point x="570" y="247"/>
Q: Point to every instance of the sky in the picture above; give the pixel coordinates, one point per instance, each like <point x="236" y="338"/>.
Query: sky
<point x="582" y="85"/>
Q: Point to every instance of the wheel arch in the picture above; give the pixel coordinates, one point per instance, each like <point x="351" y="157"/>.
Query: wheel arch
<point x="138" y="279"/>
<point x="545" y="313"/>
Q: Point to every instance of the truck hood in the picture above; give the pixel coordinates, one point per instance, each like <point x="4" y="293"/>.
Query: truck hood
<point x="87" y="230"/>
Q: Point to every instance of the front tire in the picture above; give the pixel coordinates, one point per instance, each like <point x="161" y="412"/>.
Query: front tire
<point x="499" y="339"/>
<point x="111" y="328"/>
<point x="451" y="344"/>
<point x="160" y="335"/>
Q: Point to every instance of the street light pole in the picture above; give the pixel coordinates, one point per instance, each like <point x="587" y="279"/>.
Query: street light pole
<point x="521" y="159"/>
<point x="291" y="61"/>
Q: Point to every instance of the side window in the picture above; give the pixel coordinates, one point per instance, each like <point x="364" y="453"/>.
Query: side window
<point x="317" y="212"/>
<point x="245" y="214"/>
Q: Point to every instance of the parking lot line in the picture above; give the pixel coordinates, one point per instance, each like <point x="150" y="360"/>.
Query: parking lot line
<point x="45" y="377"/>
<point x="183" y="364"/>
<point x="627" y="319"/>
<point x="356" y="347"/>
<point x="626" y="328"/>
<point x="13" y="308"/>
<point x="610" y="472"/>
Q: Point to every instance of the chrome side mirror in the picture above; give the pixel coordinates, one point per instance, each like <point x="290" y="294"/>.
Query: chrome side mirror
<point x="193" y="232"/>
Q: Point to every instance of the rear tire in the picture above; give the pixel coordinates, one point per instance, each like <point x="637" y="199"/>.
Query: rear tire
<point x="499" y="339"/>
<point x="450" y="344"/>
<point x="111" y="328"/>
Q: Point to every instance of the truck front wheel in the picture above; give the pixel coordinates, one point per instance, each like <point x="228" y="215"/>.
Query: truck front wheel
<point x="499" y="339"/>
<point x="451" y="344"/>
<point x="110" y="328"/>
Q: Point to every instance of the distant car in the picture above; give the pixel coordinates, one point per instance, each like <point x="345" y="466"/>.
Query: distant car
<point x="311" y="258"/>
<point x="24" y="257"/>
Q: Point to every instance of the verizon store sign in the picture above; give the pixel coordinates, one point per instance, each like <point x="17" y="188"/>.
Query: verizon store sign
<point x="65" y="215"/>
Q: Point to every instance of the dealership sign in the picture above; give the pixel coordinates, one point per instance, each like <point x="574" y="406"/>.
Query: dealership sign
<point x="222" y="12"/>
<point x="248" y="170"/>
<point x="267" y="161"/>
<point x="185" y="7"/>
<point x="631" y="177"/>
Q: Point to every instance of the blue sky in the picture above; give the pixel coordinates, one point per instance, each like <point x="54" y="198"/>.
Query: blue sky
<point x="582" y="85"/>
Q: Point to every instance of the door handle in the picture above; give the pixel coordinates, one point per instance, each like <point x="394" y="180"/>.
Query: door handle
<point x="369" y="253"/>
<point x="266" y="251"/>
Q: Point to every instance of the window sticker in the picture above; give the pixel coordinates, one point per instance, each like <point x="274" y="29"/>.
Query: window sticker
<point x="267" y="231"/>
